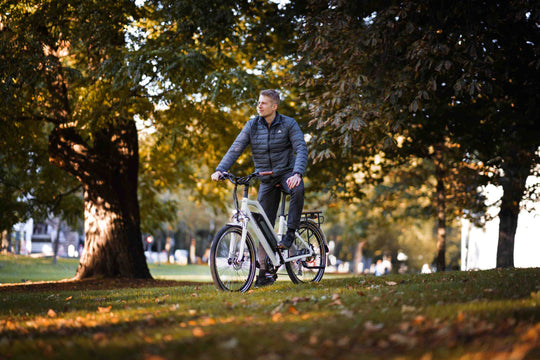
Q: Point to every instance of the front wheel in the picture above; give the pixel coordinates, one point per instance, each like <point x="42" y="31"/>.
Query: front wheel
<point x="232" y="271"/>
<point x="312" y="267"/>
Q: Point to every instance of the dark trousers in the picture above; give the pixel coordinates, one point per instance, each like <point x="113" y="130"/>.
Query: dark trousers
<point x="270" y="196"/>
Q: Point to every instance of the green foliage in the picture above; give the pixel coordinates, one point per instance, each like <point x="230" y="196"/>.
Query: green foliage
<point x="203" y="63"/>
<point x="61" y="67"/>
<point x="453" y="84"/>
<point x="425" y="71"/>
<point x="29" y="185"/>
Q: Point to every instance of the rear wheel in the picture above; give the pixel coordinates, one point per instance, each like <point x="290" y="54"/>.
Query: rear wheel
<point x="312" y="267"/>
<point x="232" y="271"/>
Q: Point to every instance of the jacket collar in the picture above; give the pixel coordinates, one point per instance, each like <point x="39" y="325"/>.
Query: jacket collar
<point x="276" y="120"/>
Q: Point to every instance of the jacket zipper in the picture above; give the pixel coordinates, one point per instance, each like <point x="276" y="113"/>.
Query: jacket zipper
<point x="268" y="147"/>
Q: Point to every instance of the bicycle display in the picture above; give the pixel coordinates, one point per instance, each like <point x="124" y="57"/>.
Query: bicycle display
<point x="233" y="256"/>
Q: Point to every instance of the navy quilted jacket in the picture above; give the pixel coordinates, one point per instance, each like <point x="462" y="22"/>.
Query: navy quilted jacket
<point x="280" y="148"/>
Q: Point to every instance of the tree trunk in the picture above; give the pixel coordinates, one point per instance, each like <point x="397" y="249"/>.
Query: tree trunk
<point x="56" y="242"/>
<point x="5" y="243"/>
<point x="441" y="212"/>
<point x="108" y="172"/>
<point x="358" y="255"/>
<point x="516" y="170"/>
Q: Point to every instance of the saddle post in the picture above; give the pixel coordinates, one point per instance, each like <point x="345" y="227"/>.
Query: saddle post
<point x="282" y="223"/>
<point x="282" y="205"/>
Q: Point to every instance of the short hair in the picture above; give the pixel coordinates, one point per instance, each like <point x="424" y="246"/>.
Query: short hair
<point x="272" y="94"/>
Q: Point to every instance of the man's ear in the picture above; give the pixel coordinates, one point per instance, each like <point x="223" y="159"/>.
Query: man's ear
<point x="274" y="106"/>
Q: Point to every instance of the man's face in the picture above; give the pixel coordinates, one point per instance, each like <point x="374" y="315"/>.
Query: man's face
<point x="266" y="106"/>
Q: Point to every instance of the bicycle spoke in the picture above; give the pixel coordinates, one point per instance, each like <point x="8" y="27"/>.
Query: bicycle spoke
<point x="312" y="267"/>
<point x="231" y="270"/>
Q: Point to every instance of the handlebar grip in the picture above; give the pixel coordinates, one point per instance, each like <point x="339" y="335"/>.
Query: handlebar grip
<point x="224" y="175"/>
<point x="263" y="173"/>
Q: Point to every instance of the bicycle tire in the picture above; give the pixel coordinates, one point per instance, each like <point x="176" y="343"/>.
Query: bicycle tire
<point x="236" y="273"/>
<point x="311" y="269"/>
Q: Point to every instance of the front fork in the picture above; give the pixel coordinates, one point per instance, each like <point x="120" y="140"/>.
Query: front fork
<point x="243" y="239"/>
<point x="233" y="255"/>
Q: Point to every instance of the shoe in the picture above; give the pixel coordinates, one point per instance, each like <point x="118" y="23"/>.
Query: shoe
<point x="287" y="241"/>
<point x="265" y="279"/>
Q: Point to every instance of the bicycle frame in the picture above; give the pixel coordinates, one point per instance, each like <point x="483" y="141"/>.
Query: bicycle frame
<point x="245" y="216"/>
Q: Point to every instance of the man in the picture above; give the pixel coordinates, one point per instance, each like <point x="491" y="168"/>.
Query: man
<point x="277" y="145"/>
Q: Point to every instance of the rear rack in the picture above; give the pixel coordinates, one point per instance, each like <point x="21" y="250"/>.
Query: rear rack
<point x="313" y="215"/>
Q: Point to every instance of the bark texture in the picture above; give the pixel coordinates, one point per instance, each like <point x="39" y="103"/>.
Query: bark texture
<point x="108" y="171"/>
<point x="440" y="260"/>
<point x="516" y="170"/>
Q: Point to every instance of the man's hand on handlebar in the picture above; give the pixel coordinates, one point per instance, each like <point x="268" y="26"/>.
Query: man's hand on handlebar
<point x="218" y="175"/>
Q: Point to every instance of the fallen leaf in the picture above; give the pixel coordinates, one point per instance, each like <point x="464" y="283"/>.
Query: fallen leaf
<point x="295" y="300"/>
<point x="198" y="332"/>
<point x="105" y="309"/>
<point x="403" y="340"/>
<point x="153" y="357"/>
<point x="293" y="310"/>
<point x="208" y="321"/>
<point x="371" y="327"/>
<point x="290" y="337"/>
<point x="391" y="283"/>
<point x="69" y="298"/>
<point x="161" y="300"/>
<point x="51" y="313"/>
<point x="99" y="337"/>
<point x="407" y="308"/>
<point x="276" y="317"/>
<point x="532" y="334"/>
<point x="147" y="339"/>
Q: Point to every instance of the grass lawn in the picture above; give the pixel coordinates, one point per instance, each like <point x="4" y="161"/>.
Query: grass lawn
<point x="16" y="269"/>
<point x="456" y="315"/>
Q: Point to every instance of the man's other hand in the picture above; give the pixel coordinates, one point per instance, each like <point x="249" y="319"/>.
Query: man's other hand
<point x="217" y="175"/>
<point x="294" y="181"/>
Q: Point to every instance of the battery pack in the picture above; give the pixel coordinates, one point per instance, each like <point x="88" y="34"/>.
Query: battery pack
<point x="267" y="232"/>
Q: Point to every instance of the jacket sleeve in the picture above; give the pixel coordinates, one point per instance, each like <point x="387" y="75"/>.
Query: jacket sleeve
<point x="300" y="148"/>
<point x="237" y="148"/>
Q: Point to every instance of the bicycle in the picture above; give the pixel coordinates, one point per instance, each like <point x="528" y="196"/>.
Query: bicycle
<point x="233" y="259"/>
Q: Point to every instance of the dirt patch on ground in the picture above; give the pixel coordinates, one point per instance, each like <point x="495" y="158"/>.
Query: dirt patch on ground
<point x="91" y="284"/>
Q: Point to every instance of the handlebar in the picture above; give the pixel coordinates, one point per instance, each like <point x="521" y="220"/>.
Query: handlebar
<point x="245" y="179"/>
